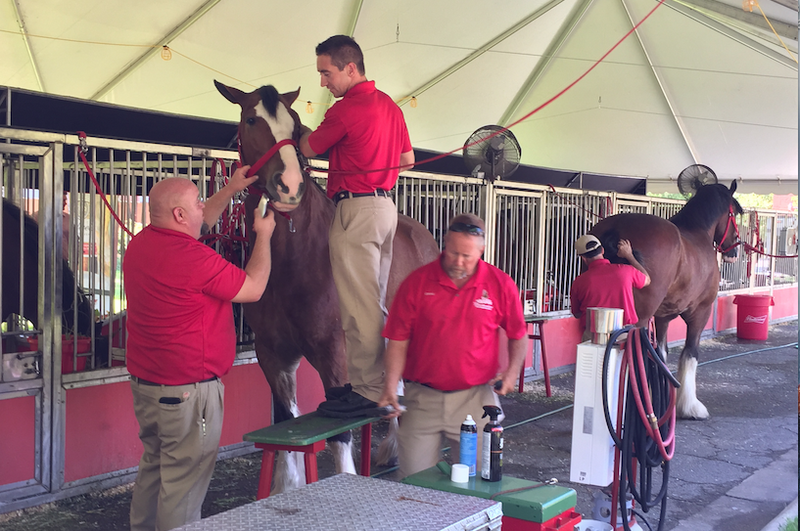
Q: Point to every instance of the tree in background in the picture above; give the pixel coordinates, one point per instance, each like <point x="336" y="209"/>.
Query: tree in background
<point x="748" y="201"/>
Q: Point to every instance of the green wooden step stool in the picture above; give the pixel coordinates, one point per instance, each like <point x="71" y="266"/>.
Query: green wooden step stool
<point x="307" y="434"/>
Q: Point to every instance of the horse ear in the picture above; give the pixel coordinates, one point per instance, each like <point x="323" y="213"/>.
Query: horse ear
<point x="290" y="97"/>
<point x="733" y="187"/>
<point x="231" y="94"/>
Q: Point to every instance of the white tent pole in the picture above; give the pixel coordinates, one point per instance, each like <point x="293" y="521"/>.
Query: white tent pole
<point x="351" y="29"/>
<point x="687" y="140"/>
<point x="555" y="45"/>
<point x="483" y="49"/>
<point x="156" y="48"/>
<point x="787" y="31"/>
<point x="710" y="23"/>
<point x="27" y="42"/>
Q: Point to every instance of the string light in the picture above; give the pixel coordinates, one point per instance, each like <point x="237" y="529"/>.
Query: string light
<point x="166" y="53"/>
<point x="413" y="102"/>
<point x="748" y="5"/>
<point x="309" y="108"/>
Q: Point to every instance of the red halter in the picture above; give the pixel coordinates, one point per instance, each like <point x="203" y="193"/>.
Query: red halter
<point x="266" y="156"/>
<point x="731" y="220"/>
<point x="257" y="166"/>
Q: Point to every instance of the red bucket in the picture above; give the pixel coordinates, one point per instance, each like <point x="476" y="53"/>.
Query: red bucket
<point x="752" y="316"/>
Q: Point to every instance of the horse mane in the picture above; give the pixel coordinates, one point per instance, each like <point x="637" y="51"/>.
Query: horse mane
<point x="269" y="98"/>
<point x="705" y="207"/>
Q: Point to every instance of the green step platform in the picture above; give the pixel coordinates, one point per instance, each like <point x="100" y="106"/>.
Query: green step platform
<point x="539" y="504"/>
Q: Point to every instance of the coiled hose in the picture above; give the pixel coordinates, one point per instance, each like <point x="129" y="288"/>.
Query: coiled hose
<point x="647" y="439"/>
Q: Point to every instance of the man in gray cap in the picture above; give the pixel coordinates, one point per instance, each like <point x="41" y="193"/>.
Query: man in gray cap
<point x="606" y="285"/>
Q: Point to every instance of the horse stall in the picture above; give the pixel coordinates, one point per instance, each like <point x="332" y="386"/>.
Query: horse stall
<point x="65" y="405"/>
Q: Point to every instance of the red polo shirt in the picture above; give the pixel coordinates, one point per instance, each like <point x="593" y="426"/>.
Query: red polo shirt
<point x="606" y="285"/>
<point x="180" y="319"/>
<point x="453" y="333"/>
<point x="365" y="130"/>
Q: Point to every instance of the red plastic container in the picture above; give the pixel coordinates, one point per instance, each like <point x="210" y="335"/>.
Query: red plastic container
<point x="752" y="316"/>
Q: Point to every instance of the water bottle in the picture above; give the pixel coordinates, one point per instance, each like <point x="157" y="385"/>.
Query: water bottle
<point x="469" y="444"/>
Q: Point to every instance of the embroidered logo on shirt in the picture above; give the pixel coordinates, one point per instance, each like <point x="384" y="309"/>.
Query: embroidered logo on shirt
<point x="429" y="293"/>
<point x="484" y="303"/>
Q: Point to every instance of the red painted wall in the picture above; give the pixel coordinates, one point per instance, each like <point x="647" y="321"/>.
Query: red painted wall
<point x="102" y="434"/>
<point x="17" y="441"/>
<point x="785" y="303"/>
<point x="248" y="403"/>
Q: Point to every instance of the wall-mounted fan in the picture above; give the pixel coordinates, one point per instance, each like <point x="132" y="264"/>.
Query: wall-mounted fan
<point x="693" y="177"/>
<point x="495" y="156"/>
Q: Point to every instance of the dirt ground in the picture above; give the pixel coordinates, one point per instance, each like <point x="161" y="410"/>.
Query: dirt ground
<point x="748" y="390"/>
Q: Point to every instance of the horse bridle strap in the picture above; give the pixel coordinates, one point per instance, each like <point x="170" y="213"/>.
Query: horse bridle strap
<point x="268" y="155"/>
<point x="731" y="220"/>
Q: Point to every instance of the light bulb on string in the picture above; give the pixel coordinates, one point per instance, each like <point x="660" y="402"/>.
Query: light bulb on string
<point x="166" y="53"/>
<point x="413" y="102"/>
<point x="748" y="5"/>
<point x="309" y="108"/>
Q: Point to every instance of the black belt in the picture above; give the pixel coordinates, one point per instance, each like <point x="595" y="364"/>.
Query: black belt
<point x="344" y="194"/>
<point x="432" y="387"/>
<point x="147" y="382"/>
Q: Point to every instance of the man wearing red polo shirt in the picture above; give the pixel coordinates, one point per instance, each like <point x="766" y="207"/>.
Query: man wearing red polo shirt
<point x="181" y="340"/>
<point x="606" y="285"/>
<point x="443" y="340"/>
<point x="363" y="131"/>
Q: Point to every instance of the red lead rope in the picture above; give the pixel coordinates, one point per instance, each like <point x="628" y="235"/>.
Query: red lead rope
<point x="82" y="152"/>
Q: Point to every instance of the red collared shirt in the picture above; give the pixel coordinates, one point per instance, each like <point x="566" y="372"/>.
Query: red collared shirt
<point x="365" y="130"/>
<point x="180" y="319"/>
<point x="454" y="333"/>
<point x="606" y="285"/>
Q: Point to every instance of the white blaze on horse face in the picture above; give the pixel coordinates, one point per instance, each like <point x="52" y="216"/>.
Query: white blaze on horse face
<point x="282" y="127"/>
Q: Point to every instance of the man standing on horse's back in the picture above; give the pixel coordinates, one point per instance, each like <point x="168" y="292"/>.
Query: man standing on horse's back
<point x="181" y="340"/>
<point x="606" y="285"/>
<point x="364" y="131"/>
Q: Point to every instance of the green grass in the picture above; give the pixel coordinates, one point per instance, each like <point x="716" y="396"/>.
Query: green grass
<point x="791" y="525"/>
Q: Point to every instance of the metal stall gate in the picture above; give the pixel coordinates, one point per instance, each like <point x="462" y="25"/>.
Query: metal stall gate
<point x="30" y="296"/>
<point x="63" y="299"/>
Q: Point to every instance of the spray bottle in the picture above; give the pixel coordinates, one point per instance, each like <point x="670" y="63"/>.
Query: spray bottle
<point x="468" y="444"/>
<point x="492" y="455"/>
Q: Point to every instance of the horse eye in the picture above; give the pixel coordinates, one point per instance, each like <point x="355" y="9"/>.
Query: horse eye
<point x="250" y="121"/>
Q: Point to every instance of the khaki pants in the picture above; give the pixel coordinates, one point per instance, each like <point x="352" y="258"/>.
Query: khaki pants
<point x="434" y="417"/>
<point x="361" y="240"/>
<point x="180" y="449"/>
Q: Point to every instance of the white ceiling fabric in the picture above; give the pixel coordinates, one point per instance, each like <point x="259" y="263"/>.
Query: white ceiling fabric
<point x="699" y="81"/>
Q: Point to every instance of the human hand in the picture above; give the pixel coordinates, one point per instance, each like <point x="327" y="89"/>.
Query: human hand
<point x="239" y="180"/>
<point x="624" y="249"/>
<point x="389" y="398"/>
<point x="264" y="226"/>
<point x="504" y="384"/>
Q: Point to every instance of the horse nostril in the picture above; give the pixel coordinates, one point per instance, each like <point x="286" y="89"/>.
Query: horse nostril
<point x="277" y="178"/>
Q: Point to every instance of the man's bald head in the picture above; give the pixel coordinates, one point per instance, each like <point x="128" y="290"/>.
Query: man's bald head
<point x="175" y="204"/>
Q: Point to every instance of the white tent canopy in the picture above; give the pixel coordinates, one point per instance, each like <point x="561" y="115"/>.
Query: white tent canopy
<point x="700" y="81"/>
